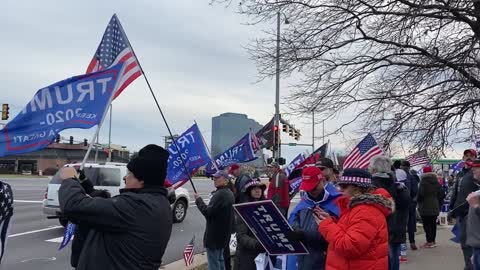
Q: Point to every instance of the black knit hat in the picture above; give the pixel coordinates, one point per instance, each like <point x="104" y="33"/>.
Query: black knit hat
<point x="356" y="177"/>
<point x="150" y="166"/>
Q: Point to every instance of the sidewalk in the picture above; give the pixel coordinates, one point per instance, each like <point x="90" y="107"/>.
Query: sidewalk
<point x="446" y="256"/>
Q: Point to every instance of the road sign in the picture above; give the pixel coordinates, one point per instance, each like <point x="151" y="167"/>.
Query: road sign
<point x="292" y="144"/>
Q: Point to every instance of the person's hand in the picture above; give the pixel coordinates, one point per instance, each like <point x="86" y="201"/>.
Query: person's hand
<point x="473" y="200"/>
<point x="68" y="173"/>
<point x="320" y="213"/>
<point x="196" y="195"/>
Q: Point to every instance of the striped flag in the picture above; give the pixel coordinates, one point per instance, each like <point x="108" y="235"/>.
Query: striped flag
<point x="113" y="49"/>
<point x="419" y="158"/>
<point x="188" y="252"/>
<point x="362" y="153"/>
<point x="6" y="213"/>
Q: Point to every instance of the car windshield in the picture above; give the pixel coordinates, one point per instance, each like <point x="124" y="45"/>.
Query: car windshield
<point x="98" y="176"/>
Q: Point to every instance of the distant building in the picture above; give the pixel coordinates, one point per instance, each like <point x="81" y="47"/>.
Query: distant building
<point x="50" y="159"/>
<point x="228" y="128"/>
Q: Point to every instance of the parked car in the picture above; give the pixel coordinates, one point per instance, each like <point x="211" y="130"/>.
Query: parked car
<point x="108" y="176"/>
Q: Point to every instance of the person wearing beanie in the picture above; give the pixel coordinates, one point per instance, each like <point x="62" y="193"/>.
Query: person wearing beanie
<point x="248" y="246"/>
<point x="430" y="200"/>
<point x="382" y="177"/>
<point x="128" y="231"/>
<point x="319" y="194"/>
<point x="464" y="185"/>
<point x="412" y="183"/>
<point x="218" y="214"/>
<point x="359" y="238"/>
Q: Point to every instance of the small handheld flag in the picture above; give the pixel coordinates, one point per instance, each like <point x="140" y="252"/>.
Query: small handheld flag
<point x="67" y="235"/>
<point x="188" y="253"/>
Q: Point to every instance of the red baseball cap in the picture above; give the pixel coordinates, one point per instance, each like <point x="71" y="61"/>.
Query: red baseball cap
<point x="233" y="167"/>
<point x="311" y="176"/>
<point x="475" y="163"/>
<point x="470" y="151"/>
<point x="427" y="169"/>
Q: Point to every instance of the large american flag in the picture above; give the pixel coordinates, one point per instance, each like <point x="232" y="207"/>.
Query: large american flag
<point x="362" y="153"/>
<point x="188" y="252"/>
<point x="419" y="158"/>
<point x="113" y="49"/>
<point x="6" y="213"/>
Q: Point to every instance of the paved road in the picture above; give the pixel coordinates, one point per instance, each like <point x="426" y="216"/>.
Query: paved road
<point x="29" y="247"/>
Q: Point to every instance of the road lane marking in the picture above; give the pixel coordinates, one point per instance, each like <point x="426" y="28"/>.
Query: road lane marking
<point x="25" y="201"/>
<point x="57" y="240"/>
<point x="36" y="231"/>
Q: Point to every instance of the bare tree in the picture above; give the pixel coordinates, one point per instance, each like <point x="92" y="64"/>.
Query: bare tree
<point x="408" y="70"/>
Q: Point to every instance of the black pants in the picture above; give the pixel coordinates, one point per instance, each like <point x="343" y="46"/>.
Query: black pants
<point x="412" y="223"/>
<point x="226" y="256"/>
<point x="430" y="227"/>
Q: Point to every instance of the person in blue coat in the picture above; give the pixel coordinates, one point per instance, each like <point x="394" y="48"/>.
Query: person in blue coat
<point x="318" y="193"/>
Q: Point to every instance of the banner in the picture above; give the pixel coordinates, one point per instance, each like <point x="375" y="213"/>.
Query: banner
<point x="192" y="152"/>
<point x="67" y="235"/>
<point x="240" y="152"/>
<point x="269" y="226"/>
<point x="295" y="162"/>
<point x="78" y="102"/>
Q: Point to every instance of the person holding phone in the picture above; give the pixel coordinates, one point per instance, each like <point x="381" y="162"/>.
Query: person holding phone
<point x="359" y="238"/>
<point x="319" y="194"/>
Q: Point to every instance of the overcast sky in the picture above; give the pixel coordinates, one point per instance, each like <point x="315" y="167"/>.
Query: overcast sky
<point x="191" y="52"/>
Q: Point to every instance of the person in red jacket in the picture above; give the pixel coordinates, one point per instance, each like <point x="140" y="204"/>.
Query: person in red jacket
<point x="359" y="239"/>
<point x="278" y="188"/>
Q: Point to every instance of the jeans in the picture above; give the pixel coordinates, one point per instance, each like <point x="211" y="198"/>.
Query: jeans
<point x="215" y="259"/>
<point x="476" y="259"/>
<point x="393" y="256"/>
<point x="412" y="222"/>
<point x="430" y="227"/>
<point x="467" y="251"/>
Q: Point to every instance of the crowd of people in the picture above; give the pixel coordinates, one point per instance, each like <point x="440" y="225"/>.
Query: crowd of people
<point x="358" y="220"/>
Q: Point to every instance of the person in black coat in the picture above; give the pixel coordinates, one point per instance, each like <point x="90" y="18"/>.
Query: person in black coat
<point x="128" y="231"/>
<point x="397" y="221"/>
<point x="218" y="214"/>
<point x="82" y="230"/>
<point x="248" y="247"/>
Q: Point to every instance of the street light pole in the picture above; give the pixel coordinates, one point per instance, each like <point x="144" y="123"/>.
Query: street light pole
<point x="277" y="89"/>
<point x="313" y="131"/>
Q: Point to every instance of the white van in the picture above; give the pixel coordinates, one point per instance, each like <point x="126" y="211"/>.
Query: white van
<point x="108" y="176"/>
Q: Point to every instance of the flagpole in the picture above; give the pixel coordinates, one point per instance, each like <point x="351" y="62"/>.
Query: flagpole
<point x="158" y="105"/>
<point x="96" y="150"/>
<point x="206" y="146"/>
<point x="103" y="118"/>
<point x="109" y="158"/>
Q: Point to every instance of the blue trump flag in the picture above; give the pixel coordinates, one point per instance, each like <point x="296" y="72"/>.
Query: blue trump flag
<point x="191" y="155"/>
<point x="294" y="164"/>
<point x="77" y="102"/>
<point x="240" y="152"/>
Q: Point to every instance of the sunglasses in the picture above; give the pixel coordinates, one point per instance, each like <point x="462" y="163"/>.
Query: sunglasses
<point x="322" y="168"/>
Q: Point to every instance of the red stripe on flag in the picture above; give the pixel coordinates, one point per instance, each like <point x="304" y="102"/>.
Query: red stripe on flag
<point x="127" y="82"/>
<point x="365" y="161"/>
<point x="351" y="159"/>
<point x="92" y="65"/>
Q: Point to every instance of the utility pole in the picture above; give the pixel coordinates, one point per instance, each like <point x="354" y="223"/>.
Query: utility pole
<point x="277" y="153"/>
<point x="313" y="130"/>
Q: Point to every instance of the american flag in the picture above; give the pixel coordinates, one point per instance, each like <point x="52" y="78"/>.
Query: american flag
<point x="362" y="153"/>
<point x="188" y="252"/>
<point x="419" y="158"/>
<point x="113" y="49"/>
<point x="6" y="213"/>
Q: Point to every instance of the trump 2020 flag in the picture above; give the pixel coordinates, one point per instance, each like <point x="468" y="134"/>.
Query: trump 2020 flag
<point x="191" y="155"/>
<point x="78" y="102"/>
<point x="242" y="151"/>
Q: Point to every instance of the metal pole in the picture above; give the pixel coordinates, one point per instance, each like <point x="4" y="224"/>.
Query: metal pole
<point x="158" y="106"/>
<point x="313" y="131"/>
<point x="323" y="131"/>
<point x="110" y="136"/>
<point x="277" y="86"/>
<point x="103" y="119"/>
<point x="96" y="150"/>
<point x="208" y="149"/>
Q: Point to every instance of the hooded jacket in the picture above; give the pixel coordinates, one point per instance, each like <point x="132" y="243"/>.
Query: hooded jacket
<point x="464" y="185"/>
<point x="430" y="195"/>
<point x="278" y="190"/>
<point x="302" y="219"/>
<point x="397" y="221"/>
<point x="129" y="231"/>
<point x="359" y="239"/>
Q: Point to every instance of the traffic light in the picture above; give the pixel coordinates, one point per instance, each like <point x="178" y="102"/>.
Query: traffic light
<point x="71" y="140"/>
<point x="281" y="161"/>
<point x="269" y="160"/>
<point x="291" y="132"/>
<point x="85" y="142"/>
<point x="297" y="135"/>
<point x="276" y="137"/>
<point x="285" y="128"/>
<point x="57" y="138"/>
<point x="5" y="109"/>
